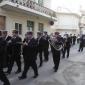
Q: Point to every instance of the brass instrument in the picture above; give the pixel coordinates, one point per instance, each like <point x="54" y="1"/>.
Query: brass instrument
<point x="56" y="47"/>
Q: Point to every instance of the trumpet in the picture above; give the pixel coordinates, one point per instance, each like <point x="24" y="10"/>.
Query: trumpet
<point x="56" y="47"/>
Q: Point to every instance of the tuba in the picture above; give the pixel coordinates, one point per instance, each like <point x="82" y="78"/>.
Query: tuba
<point x="52" y="42"/>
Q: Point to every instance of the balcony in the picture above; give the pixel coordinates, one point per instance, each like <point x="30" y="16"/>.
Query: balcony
<point x="28" y="6"/>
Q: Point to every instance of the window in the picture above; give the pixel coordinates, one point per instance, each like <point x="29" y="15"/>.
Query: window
<point x="41" y="27"/>
<point x="30" y="25"/>
<point x="40" y="2"/>
<point x="18" y="27"/>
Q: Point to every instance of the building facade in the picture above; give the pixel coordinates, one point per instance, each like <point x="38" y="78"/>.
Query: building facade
<point x="67" y="23"/>
<point x="82" y="22"/>
<point x="26" y="15"/>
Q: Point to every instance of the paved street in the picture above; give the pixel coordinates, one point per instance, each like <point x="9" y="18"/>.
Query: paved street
<point x="71" y="72"/>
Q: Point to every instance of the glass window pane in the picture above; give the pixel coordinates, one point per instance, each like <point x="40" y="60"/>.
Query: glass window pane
<point x="41" y="27"/>
<point x="16" y="26"/>
<point x="20" y="29"/>
<point x="30" y="25"/>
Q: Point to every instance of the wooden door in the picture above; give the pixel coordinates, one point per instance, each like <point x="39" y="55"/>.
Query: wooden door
<point x="2" y="22"/>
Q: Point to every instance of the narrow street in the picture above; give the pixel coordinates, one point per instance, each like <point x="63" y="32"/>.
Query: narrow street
<point x="71" y="72"/>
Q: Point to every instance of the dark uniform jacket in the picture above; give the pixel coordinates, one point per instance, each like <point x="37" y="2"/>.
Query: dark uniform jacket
<point x="16" y="45"/>
<point x="29" y="50"/>
<point x="67" y="43"/>
<point x="2" y="51"/>
<point x="81" y="41"/>
<point x="40" y="44"/>
<point x="8" y="48"/>
<point x="8" y="38"/>
<point x="45" y="41"/>
<point x="74" y="38"/>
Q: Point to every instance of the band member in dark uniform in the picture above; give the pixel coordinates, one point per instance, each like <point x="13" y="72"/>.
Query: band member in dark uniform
<point x="29" y="55"/>
<point x="67" y="45"/>
<point x="40" y="45"/>
<point x="56" y="52"/>
<point x="3" y="77"/>
<point x="78" y="38"/>
<point x="6" y="39"/>
<point x="74" y="39"/>
<point x="15" y="44"/>
<point x="81" y="44"/>
<point x="46" y="46"/>
<point x="25" y="38"/>
<point x="71" y="39"/>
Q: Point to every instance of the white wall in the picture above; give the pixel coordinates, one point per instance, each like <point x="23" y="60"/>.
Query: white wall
<point x="82" y="21"/>
<point x="12" y="17"/>
<point x="47" y="3"/>
<point x="67" y="21"/>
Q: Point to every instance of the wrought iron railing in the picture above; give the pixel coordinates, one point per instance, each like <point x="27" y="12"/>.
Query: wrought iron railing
<point x="35" y="6"/>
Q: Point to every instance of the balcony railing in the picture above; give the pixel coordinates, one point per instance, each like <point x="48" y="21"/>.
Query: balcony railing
<point x="35" y="6"/>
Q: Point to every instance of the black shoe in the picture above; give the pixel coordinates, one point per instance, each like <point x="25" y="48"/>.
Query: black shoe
<point x="35" y="76"/>
<point x="18" y="71"/>
<point x="22" y="77"/>
<point x="6" y="84"/>
<point x="8" y="73"/>
<point x="54" y="67"/>
<point x="55" y="70"/>
<point x="67" y="57"/>
<point x="45" y="60"/>
<point x="78" y="50"/>
<point x="63" y="57"/>
<point x="40" y="65"/>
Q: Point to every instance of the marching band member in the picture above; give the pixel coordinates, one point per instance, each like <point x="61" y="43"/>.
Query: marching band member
<point x="81" y="44"/>
<point x="55" y="50"/>
<point x="29" y="54"/>
<point x="71" y="38"/>
<point x="46" y="46"/>
<point x="3" y="77"/>
<point x="67" y="45"/>
<point x="6" y="39"/>
<point x="74" y="39"/>
<point x="40" y="45"/>
<point x="15" y="45"/>
<point x="78" y="38"/>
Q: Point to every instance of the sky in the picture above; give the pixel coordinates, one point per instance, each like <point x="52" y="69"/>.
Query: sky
<point x="68" y="5"/>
